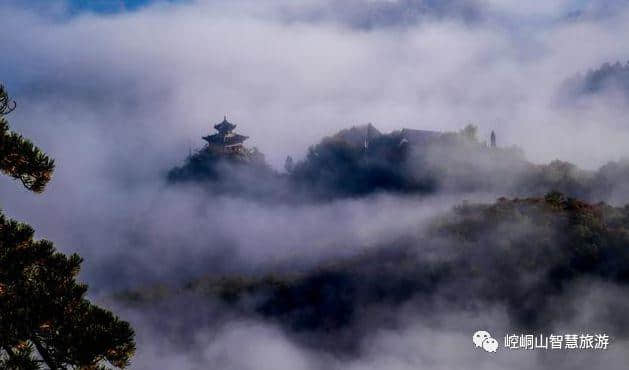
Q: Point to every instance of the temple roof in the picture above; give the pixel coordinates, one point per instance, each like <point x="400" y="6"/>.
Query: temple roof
<point x="225" y="125"/>
<point x="225" y="140"/>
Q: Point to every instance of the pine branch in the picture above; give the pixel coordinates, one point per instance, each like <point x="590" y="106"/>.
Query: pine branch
<point x="19" y="158"/>
<point x="22" y="160"/>
<point x="20" y="357"/>
<point x="45" y="355"/>
<point x="6" y="104"/>
<point x="63" y="327"/>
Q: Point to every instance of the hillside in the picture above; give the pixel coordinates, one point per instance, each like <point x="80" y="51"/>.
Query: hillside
<point x="610" y="79"/>
<point x="520" y="254"/>
<point x="361" y="161"/>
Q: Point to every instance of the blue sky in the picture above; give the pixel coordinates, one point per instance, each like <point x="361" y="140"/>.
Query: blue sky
<point x="97" y="6"/>
<point x="114" y="6"/>
<point x="109" y="6"/>
<point x="261" y="61"/>
<point x="353" y="12"/>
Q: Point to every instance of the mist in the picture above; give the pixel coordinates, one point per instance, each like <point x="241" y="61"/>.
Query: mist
<point x="119" y="99"/>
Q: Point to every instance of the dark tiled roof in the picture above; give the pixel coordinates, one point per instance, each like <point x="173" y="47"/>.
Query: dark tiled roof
<point x="225" y="140"/>
<point x="225" y="125"/>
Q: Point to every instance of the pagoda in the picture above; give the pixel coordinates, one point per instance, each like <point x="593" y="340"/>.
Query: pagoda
<point x="226" y="141"/>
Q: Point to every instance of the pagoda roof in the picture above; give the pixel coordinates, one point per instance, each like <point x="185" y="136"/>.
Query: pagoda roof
<point x="225" y="140"/>
<point x="225" y="125"/>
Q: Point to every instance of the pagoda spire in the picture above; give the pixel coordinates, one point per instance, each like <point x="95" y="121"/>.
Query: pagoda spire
<point x="225" y="127"/>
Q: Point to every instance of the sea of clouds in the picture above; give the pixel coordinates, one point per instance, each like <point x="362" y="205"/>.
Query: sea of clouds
<point x="119" y="98"/>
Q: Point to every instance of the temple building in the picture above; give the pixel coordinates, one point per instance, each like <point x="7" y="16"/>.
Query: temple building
<point x="226" y="140"/>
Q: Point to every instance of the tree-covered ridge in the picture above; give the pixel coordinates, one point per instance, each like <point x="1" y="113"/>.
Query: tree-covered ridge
<point x="522" y="254"/>
<point x="607" y="78"/>
<point x="572" y="236"/>
<point x="244" y="174"/>
<point x="361" y="161"/>
<point x="209" y="165"/>
<point x="347" y="165"/>
<point x="397" y="162"/>
<point x="45" y="318"/>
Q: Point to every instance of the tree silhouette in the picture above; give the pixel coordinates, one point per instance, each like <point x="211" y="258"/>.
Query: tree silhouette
<point x="45" y="318"/>
<point x="470" y="132"/>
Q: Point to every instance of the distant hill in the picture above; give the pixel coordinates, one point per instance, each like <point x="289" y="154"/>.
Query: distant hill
<point x="607" y="79"/>
<point x="361" y="160"/>
<point x="245" y="174"/>
<point x="522" y="254"/>
<point x="354" y="163"/>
